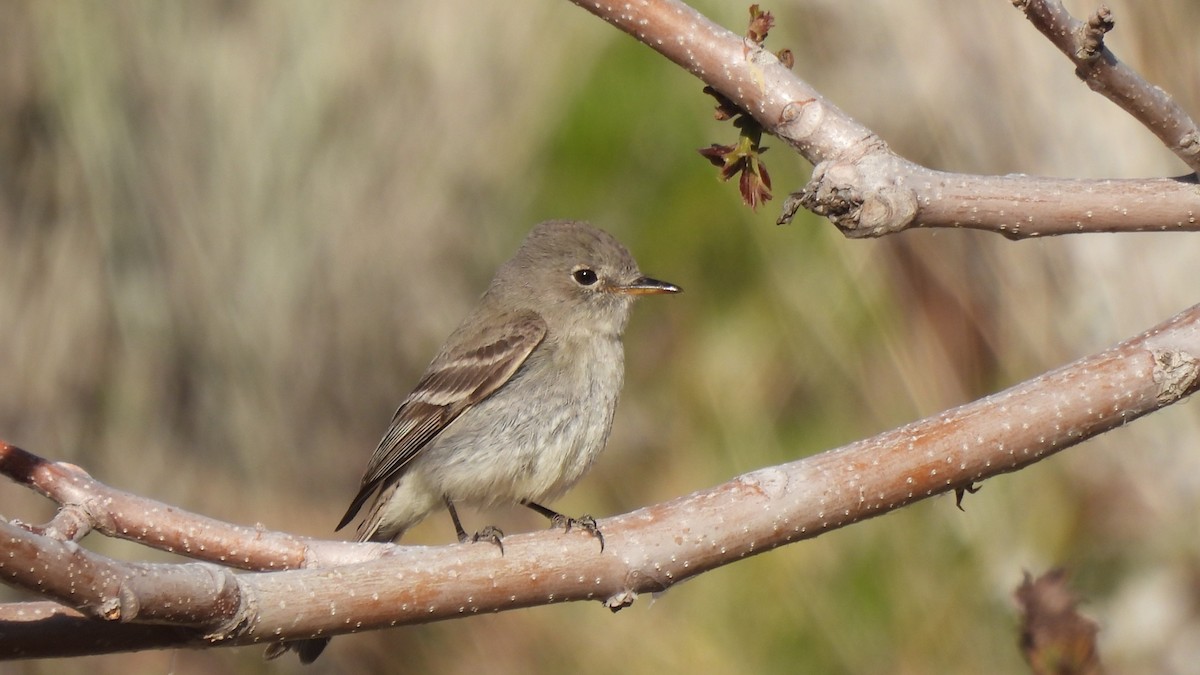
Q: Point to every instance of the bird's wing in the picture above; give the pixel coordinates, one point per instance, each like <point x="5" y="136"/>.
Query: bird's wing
<point x="453" y="383"/>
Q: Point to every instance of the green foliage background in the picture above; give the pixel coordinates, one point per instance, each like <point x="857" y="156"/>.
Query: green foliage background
<point x="233" y="234"/>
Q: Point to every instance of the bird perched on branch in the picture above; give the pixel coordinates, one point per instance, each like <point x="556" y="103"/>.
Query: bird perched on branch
<point x="518" y="402"/>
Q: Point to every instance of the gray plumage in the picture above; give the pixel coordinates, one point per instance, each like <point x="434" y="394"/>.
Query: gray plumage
<point x="520" y="400"/>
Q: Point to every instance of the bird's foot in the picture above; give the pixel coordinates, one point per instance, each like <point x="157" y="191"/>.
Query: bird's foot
<point x="963" y="490"/>
<point x="585" y="522"/>
<point x="490" y="533"/>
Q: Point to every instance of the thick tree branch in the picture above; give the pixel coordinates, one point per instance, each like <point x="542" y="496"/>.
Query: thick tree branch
<point x="647" y="550"/>
<point x="1016" y="206"/>
<point x="866" y="190"/>
<point x="301" y="587"/>
<point x="48" y="629"/>
<point x="197" y="594"/>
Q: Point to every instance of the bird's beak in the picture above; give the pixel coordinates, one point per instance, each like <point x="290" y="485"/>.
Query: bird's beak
<point x="647" y="286"/>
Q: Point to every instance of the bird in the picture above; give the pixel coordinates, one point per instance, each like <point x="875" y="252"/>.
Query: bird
<point x="518" y="402"/>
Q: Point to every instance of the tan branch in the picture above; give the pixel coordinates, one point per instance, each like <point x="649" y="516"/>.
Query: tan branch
<point x="192" y="595"/>
<point x="1104" y="73"/>
<point x="866" y="190"/>
<point x="88" y="504"/>
<point x="48" y="629"/>
<point x="650" y="549"/>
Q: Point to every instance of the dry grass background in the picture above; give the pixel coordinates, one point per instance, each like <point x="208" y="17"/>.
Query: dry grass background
<point x="234" y="235"/>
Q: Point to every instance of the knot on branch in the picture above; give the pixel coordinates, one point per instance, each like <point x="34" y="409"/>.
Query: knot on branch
<point x="72" y="523"/>
<point x="1189" y="145"/>
<point x="621" y="600"/>
<point x="1175" y="373"/>
<point x="124" y="606"/>
<point x="856" y="205"/>
<point x="1091" y="34"/>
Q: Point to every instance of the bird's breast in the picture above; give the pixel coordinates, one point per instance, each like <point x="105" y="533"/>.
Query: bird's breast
<point x="539" y="433"/>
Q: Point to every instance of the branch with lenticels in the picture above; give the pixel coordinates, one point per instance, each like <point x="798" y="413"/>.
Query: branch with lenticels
<point x="866" y="190"/>
<point x="294" y="588"/>
<point x="102" y="605"/>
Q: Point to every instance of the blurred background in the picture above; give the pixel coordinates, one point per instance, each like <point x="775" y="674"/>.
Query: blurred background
<point x="234" y="234"/>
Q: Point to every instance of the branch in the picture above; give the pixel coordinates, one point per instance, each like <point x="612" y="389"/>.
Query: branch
<point x="1104" y="73"/>
<point x="88" y="504"/>
<point x="866" y="190"/>
<point x="648" y="550"/>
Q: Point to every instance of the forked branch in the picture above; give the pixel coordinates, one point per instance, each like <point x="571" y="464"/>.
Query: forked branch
<point x="296" y="588"/>
<point x="647" y="550"/>
<point x="866" y="190"/>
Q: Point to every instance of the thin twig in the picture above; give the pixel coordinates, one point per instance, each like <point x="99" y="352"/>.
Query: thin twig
<point x="1104" y="73"/>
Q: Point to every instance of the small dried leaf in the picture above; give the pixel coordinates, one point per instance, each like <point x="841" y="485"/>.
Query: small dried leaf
<point x="760" y="24"/>
<point x="763" y="175"/>
<point x="1055" y="638"/>
<point x="716" y="153"/>
<point x="754" y="185"/>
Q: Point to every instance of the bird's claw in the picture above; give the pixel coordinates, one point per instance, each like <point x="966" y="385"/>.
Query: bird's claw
<point x="585" y="523"/>
<point x="492" y="534"/>
<point x="963" y="490"/>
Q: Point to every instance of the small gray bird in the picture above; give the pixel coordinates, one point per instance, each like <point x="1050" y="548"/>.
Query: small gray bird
<point x="519" y="401"/>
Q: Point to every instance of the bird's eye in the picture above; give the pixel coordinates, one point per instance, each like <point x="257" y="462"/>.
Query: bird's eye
<point x="584" y="277"/>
